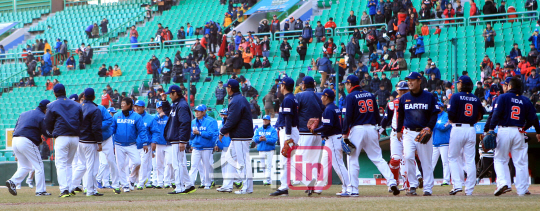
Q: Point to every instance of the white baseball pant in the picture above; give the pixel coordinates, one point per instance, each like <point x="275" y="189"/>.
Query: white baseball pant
<point x="78" y="170"/>
<point x="212" y="162"/>
<point x="107" y="150"/>
<point x="295" y="136"/>
<point x="122" y="155"/>
<point x="139" y="175"/>
<point x="442" y="151"/>
<point x="463" y="145"/>
<point x="28" y="159"/>
<point x="266" y="160"/>
<point x="243" y="163"/>
<point x="396" y="151"/>
<point x="310" y="155"/>
<point x="200" y="163"/>
<point x="366" y="137"/>
<point x="511" y="140"/>
<point x="65" y="148"/>
<point x="88" y="156"/>
<point x="30" y="178"/>
<point x="179" y="164"/>
<point x="104" y="173"/>
<point x="229" y="173"/>
<point x="333" y="143"/>
<point x="163" y="158"/>
<point x="425" y="153"/>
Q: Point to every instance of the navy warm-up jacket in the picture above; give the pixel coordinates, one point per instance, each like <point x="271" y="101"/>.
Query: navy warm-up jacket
<point x="239" y="123"/>
<point x="91" y="124"/>
<point x="30" y="125"/>
<point x="63" y="117"/>
<point x="178" y="128"/>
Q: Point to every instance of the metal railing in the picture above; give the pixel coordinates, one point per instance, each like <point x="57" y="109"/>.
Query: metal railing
<point x="342" y="29"/>
<point x="530" y="15"/>
<point x="74" y="3"/>
<point x="297" y="33"/>
<point x="178" y="43"/>
<point x="441" y="21"/>
<point x="131" y="46"/>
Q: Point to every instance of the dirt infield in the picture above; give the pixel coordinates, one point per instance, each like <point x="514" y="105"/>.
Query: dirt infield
<point x="371" y="197"/>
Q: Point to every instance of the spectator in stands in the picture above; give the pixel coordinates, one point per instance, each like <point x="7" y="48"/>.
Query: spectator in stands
<point x="195" y="73"/>
<point x="155" y="66"/>
<point x="266" y="63"/>
<point x="47" y="46"/>
<point x="433" y="82"/>
<point x="46" y="65"/>
<point x="307" y="32"/>
<point x="105" y="99"/>
<point x="379" y="17"/>
<point x="88" y="31"/>
<point x="330" y="24"/>
<point x="89" y="54"/>
<point x="479" y="92"/>
<point x="133" y="36"/>
<point x="351" y="19"/>
<point x="265" y="46"/>
<point x="247" y="56"/>
<point x="535" y="39"/>
<point x="449" y="12"/>
<point x="531" y="5"/>
<point x="486" y="66"/>
<point x="21" y="83"/>
<point x="166" y="35"/>
<point x="365" y="83"/>
<point x="255" y="108"/>
<point x="533" y="81"/>
<point x="401" y="44"/>
<point x="41" y="46"/>
<point x="329" y="47"/>
<point x="515" y="53"/>
<point x="71" y="64"/>
<point x="298" y="25"/>
<point x="275" y="25"/>
<point x="382" y="95"/>
<point x="498" y="72"/>
<point x="285" y="49"/>
<point x="257" y="63"/>
<point x="324" y="65"/>
<point x="424" y="30"/>
<point x="63" y="51"/>
<point x="437" y="31"/>
<point x="319" y="32"/>
<point x="459" y="8"/>
<point x="268" y="102"/>
<point x="365" y="19"/>
<point x="351" y="52"/>
<point x="95" y="31"/>
<point x="375" y="82"/>
<point x="116" y="71"/>
<point x="372" y="6"/>
<point x="385" y="82"/>
<point x="30" y="81"/>
<point x="383" y="66"/>
<point x="418" y="48"/>
<point x="302" y="48"/>
<point x="238" y="62"/>
<point x="434" y="70"/>
<point x="489" y="34"/>
<point x="209" y="63"/>
<point x="102" y="71"/>
<point x="220" y="93"/>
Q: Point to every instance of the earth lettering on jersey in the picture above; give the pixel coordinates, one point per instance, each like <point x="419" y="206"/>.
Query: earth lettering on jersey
<point x="129" y="121"/>
<point x="416" y="106"/>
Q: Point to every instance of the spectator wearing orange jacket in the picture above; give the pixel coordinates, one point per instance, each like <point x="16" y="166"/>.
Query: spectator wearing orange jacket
<point x="105" y="99"/>
<point x="425" y="30"/>
<point x="330" y="24"/>
<point x="524" y="68"/>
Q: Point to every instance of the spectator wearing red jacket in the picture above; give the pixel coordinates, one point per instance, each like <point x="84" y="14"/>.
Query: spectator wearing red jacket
<point x="166" y="34"/>
<point x="257" y="48"/>
<point x="449" y="12"/>
<point x="105" y="99"/>
<point x="330" y="24"/>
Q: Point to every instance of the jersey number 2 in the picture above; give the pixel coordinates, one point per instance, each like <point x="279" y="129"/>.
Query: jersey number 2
<point x="365" y="106"/>
<point x="515" y="112"/>
<point x="468" y="109"/>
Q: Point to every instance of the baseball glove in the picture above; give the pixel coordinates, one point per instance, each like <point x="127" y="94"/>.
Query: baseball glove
<point x="346" y="147"/>
<point x="288" y="148"/>
<point x="490" y="141"/>
<point x="424" y="136"/>
<point x="313" y="123"/>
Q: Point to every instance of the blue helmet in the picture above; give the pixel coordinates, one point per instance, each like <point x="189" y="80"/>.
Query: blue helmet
<point x="223" y="111"/>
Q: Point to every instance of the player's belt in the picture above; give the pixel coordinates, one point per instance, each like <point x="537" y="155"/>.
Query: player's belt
<point x="366" y="125"/>
<point x="283" y="127"/>
<point x="462" y="125"/>
<point x="415" y="129"/>
<point x="509" y="126"/>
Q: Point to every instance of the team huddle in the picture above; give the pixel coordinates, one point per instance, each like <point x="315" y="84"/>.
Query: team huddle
<point x="136" y="150"/>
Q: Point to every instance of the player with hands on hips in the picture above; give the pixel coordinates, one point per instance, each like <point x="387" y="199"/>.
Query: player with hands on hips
<point x="464" y="110"/>
<point x="265" y="138"/>
<point x="202" y="139"/>
<point x="441" y="138"/>
<point x="360" y="126"/>
<point x="26" y="139"/>
<point x="417" y="116"/>
<point x="331" y="132"/>
<point x="513" y="114"/>
<point x="140" y="174"/>
<point x="287" y="123"/>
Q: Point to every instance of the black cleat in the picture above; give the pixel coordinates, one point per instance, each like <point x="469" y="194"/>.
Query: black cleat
<point x="528" y="192"/>
<point x="395" y="190"/>
<point x="280" y="193"/>
<point x="140" y="188"/>
<point x="455" y="191"/>
<point x="72" y="193"/>
<point x="201" y="187"/>
<point x="173" y="186"/>
<point x="11" y="187"/>
<point x="65" y="194"/>
<point x="174" y="193"/>
<point x="412" y="192"/>
<point x="213" y="184"/>
<point x="500" y="190"/>
<point x="97" y="194"/>
<point x="158" y="187"/>
<point x="239" y="185"/>
<point x="189" y="190"/>
<point x="420" y="182"/>
<point x="427" y="194"/>
<point x="43" y="194"/>
<point x="77" y="190"/>
<point x="117" y="191"/>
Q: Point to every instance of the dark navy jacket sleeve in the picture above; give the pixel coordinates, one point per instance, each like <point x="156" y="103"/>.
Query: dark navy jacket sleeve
<point x="498" y="108"/>
<point x="234" y="115"/>
<point x="401" y="117"/>
<point x="388" y="115"/>
<point x="184" y="118"/>
<point x="348" y="114"/>
<point x="96" y="125"/>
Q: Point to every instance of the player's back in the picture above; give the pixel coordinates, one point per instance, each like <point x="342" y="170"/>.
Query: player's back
<point x="512" y="109"/>
<point x="289" y="106"/>
<point x="361" y="109"/>
<point x="464" y="107"/>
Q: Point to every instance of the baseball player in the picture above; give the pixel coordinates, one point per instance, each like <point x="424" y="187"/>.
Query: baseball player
<point x="265" y="138"/>
<point x="107" y="162"/>
<point x="177" y="133"/>
<point x="287" y="123"/>
<point x="78" y="167"/>
<point x="163" y="150"/>
<point x="513" y="114"/>
<point x="309" y="106"/>
<point x="396" y="146"/>
<point x="239" y="127"/>
<point x="464" y="110"/>
<point x="360" y="123"/>
<point x="227" y="170"/>
<point x="90" y="142"/>
<point x="26" y="139"/>
<point x="417" y="111"/>
<point x="441" y="138"/>
<point x="63" y="119"/>
<point x="128" y="130"/>
<point x="204" y="132"/>
<point x="152" y="132"/>
<point x="331" y="133"/>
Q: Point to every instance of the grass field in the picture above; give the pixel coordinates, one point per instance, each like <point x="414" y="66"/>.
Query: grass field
<point x="371" y="198"/>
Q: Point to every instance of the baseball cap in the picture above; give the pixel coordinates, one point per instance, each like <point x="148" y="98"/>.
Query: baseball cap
<point x="59" y="88"/>
<point x="220" y="82"/>
<point x="200" y="107"/>
<point x="266" y="117"/>
<point x="329" y="93"/>
<point x="159" y="104"/>
<point x="232" y="83"/>
<point x="288" y="81"/>
<point x="308" y="80"/>
<point x="139" y="103"/>
<point x="74" y="97"/>
<point x="173" y="88"/>
<point x="89" y="92"/>
<point x="402" y="85"/>
<point x="507" y="80"/>
<point x="224" y="111"/>
<point x="43" y="103"/>
<point x="432" y="63"/>
<point x="414" y="75"/>
<point x="111" y="110"/>
<point x="353" y="79"/>
<point x="536" y="30"/>
<point x="440" y="105"/>
<point x="464" y="79"/>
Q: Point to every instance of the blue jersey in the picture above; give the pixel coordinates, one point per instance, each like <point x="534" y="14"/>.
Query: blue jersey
<point x="513" y="109"/>
<point x="417" y="111"/>
<point x="331" y="121"/>
<point x="441" y="132"/>
<point x="465" y="108"/>
<point x="360" y="109"/>
<point x="288" y="113"/>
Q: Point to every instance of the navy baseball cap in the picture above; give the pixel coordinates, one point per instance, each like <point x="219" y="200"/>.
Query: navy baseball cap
<point x="288" y="81"/>
<point x="232" y="83"/>
<point x="464" y="79"/>
<point x="173" y="88"/>
<point x="200" y="107"/>
<point x="111" y="110"/>
<point x="353" y="79"/>
<point x="308" y="80"/>
<point x="159" y="104"/>
<point x="139" y="103"/>
<point x="329" y="93"/>
<point x="507" y="80"/>
<point x="43" y="103"/>
<point x="266" y="117"/>
<point x="224" y="111"/>
<point x="414" y="75"/>
<point x="59" y="88"/>
<point x="74" y="97"/>
<point x="89" y="92"/>
<point x="403" y="85"/>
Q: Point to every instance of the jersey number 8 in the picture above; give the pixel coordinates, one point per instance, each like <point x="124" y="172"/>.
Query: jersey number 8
<point x="365" y="106"/>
